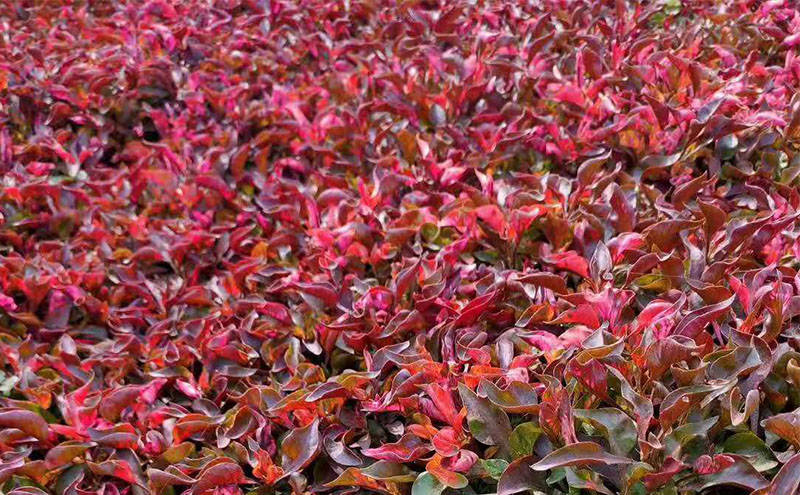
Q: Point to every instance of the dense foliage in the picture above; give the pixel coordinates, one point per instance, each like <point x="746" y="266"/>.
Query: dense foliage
<point x="357" y="246"/>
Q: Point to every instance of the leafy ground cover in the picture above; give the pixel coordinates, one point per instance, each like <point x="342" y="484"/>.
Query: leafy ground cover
<point x="359" y="246"/>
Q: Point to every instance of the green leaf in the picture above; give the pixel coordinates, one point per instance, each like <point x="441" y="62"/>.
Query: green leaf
<point x="672" y="7"/>
<point x="523" y="438"/>
<point x="726" y="146"/>
<point x="653" y="281"/>
<point x="7" y="383"/>
<point x="585" y="480"/>
<point x="495" y="467"/>
<point x="488" y="423"/>
<point x="616" y="426"/>
<point x="430" y="231"/>
<point x="749" y="446"/>
<point x="690" y="439"/>
<point x="427" y="484"/>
